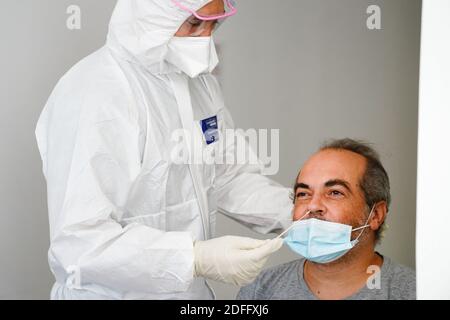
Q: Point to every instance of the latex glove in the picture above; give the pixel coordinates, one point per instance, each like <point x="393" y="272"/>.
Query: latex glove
<point x="234" y="260"/>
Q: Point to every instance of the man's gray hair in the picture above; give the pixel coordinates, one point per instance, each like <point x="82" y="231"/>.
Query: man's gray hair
<point x="375" y="181"/>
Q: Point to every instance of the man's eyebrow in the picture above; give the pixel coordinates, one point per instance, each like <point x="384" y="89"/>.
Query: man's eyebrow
<point x="301" y="185"/>
<point x="338" y="182"/>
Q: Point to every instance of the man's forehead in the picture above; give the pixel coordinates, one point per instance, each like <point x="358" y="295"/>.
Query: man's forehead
<point x="332" y="164"/>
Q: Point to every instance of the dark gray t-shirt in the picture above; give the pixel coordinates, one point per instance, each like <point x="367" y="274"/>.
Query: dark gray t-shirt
<point x="285" y="282"/>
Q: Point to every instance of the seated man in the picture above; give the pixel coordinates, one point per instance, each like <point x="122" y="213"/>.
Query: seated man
<point x="341" y="198"/>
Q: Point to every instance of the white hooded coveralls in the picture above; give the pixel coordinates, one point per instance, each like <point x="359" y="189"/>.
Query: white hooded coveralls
<point x="123" y="216"/>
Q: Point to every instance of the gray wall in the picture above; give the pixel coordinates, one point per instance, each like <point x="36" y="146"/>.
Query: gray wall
<point x="308" y="67"/>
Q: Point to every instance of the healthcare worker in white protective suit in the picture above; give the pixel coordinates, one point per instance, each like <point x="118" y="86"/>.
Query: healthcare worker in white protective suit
<point x="126" y="221"/>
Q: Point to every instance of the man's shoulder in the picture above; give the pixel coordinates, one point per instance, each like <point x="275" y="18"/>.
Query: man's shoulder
<point x="279" y="271"/>
<point x="402" y="280"/>
<point x="399" y="271"/>
<point x="272" y="280"/>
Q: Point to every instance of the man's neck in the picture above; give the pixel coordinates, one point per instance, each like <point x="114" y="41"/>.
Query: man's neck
<point x="344" y="277"/>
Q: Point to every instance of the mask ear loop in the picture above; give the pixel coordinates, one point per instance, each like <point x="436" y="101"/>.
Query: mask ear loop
<point x="292" y="225"/>
<point x="365" y="225"/>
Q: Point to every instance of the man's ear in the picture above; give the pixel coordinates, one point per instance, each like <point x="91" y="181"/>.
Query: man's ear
<point x="378" y="215"/>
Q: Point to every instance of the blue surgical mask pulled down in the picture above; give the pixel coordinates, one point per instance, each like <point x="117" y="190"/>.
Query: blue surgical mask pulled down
<point x="322" y="241"/>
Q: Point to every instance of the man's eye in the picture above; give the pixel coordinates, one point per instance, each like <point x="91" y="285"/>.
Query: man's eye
<point x="301" y="195"/>
<point x="336" y="193"/>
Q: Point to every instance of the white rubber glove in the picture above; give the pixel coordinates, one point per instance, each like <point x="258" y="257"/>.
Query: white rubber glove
<point x="234" y="260"/>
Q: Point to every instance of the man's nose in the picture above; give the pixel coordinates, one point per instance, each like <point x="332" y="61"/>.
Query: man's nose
<point x="315" y="208"/>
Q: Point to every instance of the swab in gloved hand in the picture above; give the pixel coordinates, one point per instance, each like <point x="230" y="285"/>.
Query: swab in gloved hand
<point x="233" y="260"/>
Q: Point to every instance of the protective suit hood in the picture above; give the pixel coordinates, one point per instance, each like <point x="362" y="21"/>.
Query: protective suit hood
<point x="140" y="30"/>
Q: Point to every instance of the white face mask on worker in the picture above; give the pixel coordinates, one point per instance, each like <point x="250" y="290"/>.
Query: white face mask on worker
<point x="192" y="55"/>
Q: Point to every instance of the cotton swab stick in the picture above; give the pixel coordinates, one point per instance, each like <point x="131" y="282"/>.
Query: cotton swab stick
<point x="292" y="225"/>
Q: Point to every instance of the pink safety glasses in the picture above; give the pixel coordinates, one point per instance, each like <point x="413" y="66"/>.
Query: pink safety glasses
<point x="229" y="11"/>
<point x="203" y="25"/>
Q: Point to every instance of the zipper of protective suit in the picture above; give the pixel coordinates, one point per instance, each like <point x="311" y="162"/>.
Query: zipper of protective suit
<point x="183" y="97"/>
